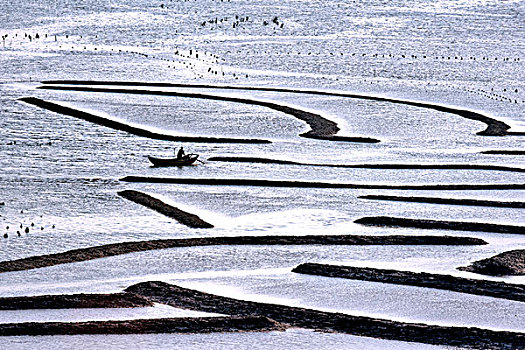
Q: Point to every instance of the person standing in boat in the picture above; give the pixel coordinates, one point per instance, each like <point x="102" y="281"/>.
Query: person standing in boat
<point x="180" y="153"/>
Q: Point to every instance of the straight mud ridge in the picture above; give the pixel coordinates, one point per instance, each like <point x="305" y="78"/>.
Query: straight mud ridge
<point x="315" y="184"/>
<point x="74" y="301"/>
<point x="470" y="337"/>
<point x="145" y="326"/>
<point x="387" y="221"/>
<point x="369" y="166"/>
<point x="494" y="127"/>
<point x="493" y="289"/>
<point x="185" y="218"/>
<point x="114" y="249"/>
<point x="321" y="128"/>
<point x="448" y="201"/>
<point x="505" y="152"/>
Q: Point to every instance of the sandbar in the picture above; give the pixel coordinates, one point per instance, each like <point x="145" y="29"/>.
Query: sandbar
<point x="145" y="326"/>
<point x="316" y="184"/>
<point x="493" y="289"/>
<point x="370" y="166"/>
<point x="107" y="250"/>
<point x="470" y="337"/>
<point x="504" y="264"/>
<point x="447" y="201"/>
<point x="74" y="301"/>
<point x="181" y="216"/>
<point x="387" y="221"/>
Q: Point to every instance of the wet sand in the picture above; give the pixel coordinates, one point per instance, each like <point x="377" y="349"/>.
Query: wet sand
<point x="321" y="128"/>
<point x="114" y="249"/>
<point x="314" y="184"/>
<point x="447" y="201"/>
<point x="74" y="301"/>
<point x="128" y="128"/>
<point x="494" y="127"/>
<point x="470" y="337"/>
<point x="386" y="221"/>
<point x="371" y="166"/>
<point x="145" y="326"/>
<point x="419" y="279"/>
<point x="185" y="218"/>
<point x="504" y="264"/>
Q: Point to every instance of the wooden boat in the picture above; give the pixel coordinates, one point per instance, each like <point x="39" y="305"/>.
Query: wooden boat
<point x="188" y="159"/>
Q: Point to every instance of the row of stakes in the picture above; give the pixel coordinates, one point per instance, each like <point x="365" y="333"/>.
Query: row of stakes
<point x="212" y="58"/>
<point x="166" y="6"/>
<point x="194" y="54"/>
<point x="326" y="52"/>
<point x="380" y="55"/>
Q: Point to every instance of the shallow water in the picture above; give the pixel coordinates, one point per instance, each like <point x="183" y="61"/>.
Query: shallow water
<point x="60" y="175"/>
<point x="83" y="315"/>
<point x="293" y="338"/>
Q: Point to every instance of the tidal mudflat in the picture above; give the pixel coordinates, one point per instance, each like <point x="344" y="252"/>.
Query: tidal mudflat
<point x="375" y="148"/>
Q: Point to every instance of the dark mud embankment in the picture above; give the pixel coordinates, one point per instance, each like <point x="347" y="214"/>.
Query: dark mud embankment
<point x="145" y="326"/>
<point x="447" y="201"/>
<point x="419" y="279"/>
<point x="494" y="127"/>
<point x="470" y="337"/>
<point x="113" y="124"/>
<point x="74" y="301"/>
<point x="185" y="218"/>
<point x="371" y="166"/>
<point x="386" y="221"/>
<point x="504" y="264"/>
<point x="505" y="152"/>
<point x="312" y="184"/>
<point x="321" y="128"/>
<point x="114" y="249"/>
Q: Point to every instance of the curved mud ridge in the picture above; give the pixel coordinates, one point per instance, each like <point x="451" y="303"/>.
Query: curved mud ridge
<point x="145" y="326"/>
<point x="447" y="201"/>
<point x="321" y="128"/>
<point x="74" y="301"/>
<point x="185" y="218"/>
<point x="128" y="128"/>
<point x="370" y="166"/>
<point x="493" y="289"/>
<point x="504" y="264"/>
<point x="387" y="221"/>
<point x="494" y="127"/>
<point x="114" y="249"/>
<point x="470" y="337"/>
<point x="314" y="184"/>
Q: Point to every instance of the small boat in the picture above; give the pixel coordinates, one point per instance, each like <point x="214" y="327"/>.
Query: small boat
<point x="188" y="159"/>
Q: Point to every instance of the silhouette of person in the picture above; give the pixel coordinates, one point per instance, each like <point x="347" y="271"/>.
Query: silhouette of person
<point x="180" y="153"/>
